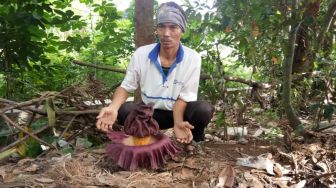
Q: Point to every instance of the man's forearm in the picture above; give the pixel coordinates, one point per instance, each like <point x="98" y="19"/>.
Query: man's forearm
<point x="178" y="111"/>
<point x="119" y="97"/>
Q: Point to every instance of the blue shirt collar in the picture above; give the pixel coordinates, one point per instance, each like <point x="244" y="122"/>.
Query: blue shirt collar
<point x="153" y="55"/>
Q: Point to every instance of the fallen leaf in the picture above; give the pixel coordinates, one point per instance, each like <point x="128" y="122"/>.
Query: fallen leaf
<point x="274" y="60"/>
<point x="252" y="181"/>
<point x="2" y="174"/>
<point x="44" y="180"/>
<point x="204" y="184"/>
<point x="191" y="163"/>
<point x="113" y="181"/>
<point x="277" y="168"/>
<point x="186" y="173"/>
<point x="226" y="177"/>
<point x="281" y="184"/>
<point x="17" y="171"/>
<point x="31" y="168"/>
<point x="24" y="161"/>
<point x="258" y="132"/>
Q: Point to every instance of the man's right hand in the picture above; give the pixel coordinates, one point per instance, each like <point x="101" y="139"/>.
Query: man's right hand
<point x="106" y="118"/>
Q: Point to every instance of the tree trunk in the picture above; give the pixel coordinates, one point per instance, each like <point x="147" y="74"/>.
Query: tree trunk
<point x="144" y="29"/>
<point x="287" y="68"/>
<point x="8" y="73"/>
<point x="304" y="56"/>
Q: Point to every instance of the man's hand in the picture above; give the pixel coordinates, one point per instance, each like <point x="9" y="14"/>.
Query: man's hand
<point x="106" y="118"/>
<point x="182" y="132"/>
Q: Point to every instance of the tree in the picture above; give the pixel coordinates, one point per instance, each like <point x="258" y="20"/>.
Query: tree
<point x="25" y="36"/>
<point x="304" y="55"/>
<point x="144" y="29"/>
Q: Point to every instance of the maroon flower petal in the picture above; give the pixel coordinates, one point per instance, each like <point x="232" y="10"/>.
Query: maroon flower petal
<point x="117" y="136"/>
<point x="149" y="156"/>
<point x="140" y="122"/>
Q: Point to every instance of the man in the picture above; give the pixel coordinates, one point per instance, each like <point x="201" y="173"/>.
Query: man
<point x="168" y="74"/>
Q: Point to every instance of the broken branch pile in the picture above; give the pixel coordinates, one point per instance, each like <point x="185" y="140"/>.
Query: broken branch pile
<point x="69" y="112"/>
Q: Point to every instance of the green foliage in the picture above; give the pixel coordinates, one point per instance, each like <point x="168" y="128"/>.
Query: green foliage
<point x="299" y="130"/>
<point x="32" y="148"/>
<point x="27" y="36"/>
<point x="83" y="143"/>
<point x="220" y="119"/>
<point x="39" y="123"/>
<point x="273" y="134"/>
<point x="39" y="40"/>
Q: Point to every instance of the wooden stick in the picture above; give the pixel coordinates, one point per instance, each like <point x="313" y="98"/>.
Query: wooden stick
<point x="25" y="131"/>
<point x="43" y="112"/>
<point x="66" y="129"/>
<point x="18" y="105"/>
<point x="100" y="67"/>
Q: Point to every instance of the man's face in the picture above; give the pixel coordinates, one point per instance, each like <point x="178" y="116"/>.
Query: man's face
<point x="169" y="35"/>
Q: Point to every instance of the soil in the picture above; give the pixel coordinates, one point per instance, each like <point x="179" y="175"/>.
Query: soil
<point x="204" y="168"/>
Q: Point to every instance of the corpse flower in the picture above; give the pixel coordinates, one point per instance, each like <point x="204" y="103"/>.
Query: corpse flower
<point x="141" y="145"/>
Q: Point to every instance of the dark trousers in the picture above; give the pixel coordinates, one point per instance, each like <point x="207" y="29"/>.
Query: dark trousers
<point x="197" y="113"/>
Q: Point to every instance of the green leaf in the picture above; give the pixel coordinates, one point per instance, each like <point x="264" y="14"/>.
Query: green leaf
<point x="61" y="13"/>
<point x="46" y="7"/>
<point x="309" y="20"/>
<point x="65" y="28"/>
<point x="69" y="13"/>
<point x="328" y="112"/>
<point x="83" y="143"/>
<point x="39" y="123"/>
<point x="76" y="17"/>
<point x="57" y="21"/>
<point x="299" y="130"/>
<point x="32" y="148"/>
<point x="66" y="150"/>
<point x="37" y="32"/>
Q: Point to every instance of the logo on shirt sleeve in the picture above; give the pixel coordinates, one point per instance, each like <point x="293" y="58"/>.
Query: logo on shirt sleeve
<point x="176" y="82"/>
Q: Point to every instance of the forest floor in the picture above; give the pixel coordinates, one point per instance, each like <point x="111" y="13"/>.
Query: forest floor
<point x="304" y="162"/>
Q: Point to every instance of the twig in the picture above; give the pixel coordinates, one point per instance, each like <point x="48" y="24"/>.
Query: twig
<point x="67" y="127"/>
<point x="288" y="156"/>
<point x="25" y="131"/>
<point x="22" y="104"/>
<point x="295" y="164"/>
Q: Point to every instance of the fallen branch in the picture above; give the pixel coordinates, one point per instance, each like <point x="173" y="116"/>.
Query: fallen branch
<point x="100" y="67"/>
<point x="64" y="112"/>
<point x="23" y="106"/>
<point x="25" y="131"/>
<point x="203" y="76"/>
<point x="18" y="105"/>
